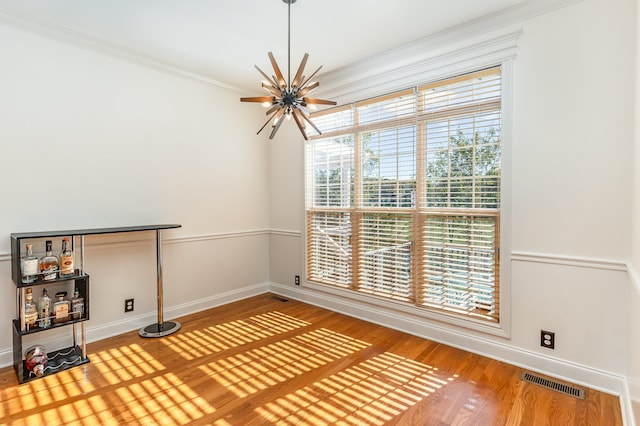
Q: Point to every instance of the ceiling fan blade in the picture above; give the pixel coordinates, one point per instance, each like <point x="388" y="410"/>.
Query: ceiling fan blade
<point x="272" y="89"/>
<point x="265" y="124"/>
<point x="315" y="101"/>
<point x="300" y="123"/>
<point x="310" y="77"/>
<point x="276" y="69"/>
<point x="311" y="122"/>
<point x="269" y="79"/>
<point x="303" y="109"/>
<point x="298" y="76"/>
<point x="298" y="114"/>
<point x="278" y="116"/>
<point x="307" y="89"/>
<point x="277" y="125"/>
<point x="261" y="99"/>
<point x="274" y="108"/>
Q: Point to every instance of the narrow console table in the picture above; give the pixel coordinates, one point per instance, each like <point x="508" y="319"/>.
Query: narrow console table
<point x="75" y="355"/>
<point x="161" y="328"/>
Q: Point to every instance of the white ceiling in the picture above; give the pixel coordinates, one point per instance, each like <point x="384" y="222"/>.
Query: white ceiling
<point x="222" y="40"/>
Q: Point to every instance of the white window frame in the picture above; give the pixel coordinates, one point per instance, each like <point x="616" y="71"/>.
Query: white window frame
<point x="498" y="51"/>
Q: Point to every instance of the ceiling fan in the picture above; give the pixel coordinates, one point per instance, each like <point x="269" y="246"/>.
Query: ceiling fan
<point x="288" y="98"/>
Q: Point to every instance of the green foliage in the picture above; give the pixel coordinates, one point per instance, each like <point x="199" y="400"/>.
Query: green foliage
<point x="466" y="173"/>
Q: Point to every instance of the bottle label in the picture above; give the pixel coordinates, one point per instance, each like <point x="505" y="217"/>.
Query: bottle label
<point x="62" y="311"/>
<point x="66" y="265"/>
<point x="78" y="308"/>
<point x="49" y="273"/>
<point x="44" y="318"/>
<point x="30" y="266"/>
<point x="31" y="318"/>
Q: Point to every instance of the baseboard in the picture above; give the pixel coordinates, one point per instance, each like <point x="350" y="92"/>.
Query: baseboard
<point x="630" y="400"/>
<point x="173" y="312"/>
<point x="634" y="389"/>
<point x="103" y="331"/>
<point x="561" y="369"/>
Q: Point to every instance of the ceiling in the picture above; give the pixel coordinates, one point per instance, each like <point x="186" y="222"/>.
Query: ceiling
<point x="222" y="40"/>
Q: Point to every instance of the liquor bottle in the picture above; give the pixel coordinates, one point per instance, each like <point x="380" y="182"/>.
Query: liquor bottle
<point x="29" y="265"/>
<point x="36" y="360"/>
<point x="77" y="305"/>
<point x="66" y="259"/>
<point x="61" y="308"/>
<point x="44" y="309"/>
<point x="49" y="264"/>
<point x="30" y="311"/>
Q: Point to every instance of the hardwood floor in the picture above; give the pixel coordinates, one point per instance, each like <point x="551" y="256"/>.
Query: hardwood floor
<point x="265" y="361"/>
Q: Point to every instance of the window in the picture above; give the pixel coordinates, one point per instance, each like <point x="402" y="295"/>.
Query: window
<point x="403" y="196"/>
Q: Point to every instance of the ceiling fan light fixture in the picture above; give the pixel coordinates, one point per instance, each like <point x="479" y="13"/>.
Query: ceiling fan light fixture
<point x="288" y="98"/>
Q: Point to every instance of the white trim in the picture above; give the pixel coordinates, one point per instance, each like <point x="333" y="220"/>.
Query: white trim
<point x="172" y="240"/>
<point x="575" y="261"/>
<point x="562" y="369"/>
<point x="398" y="308"/>
<point x="393" y="71"/>
<point x="137" y="322"/>
<point x="31" y="24"/>
<point x="629" y="397"/>
<point x="6" y="257"/>
<point x="506" y="177"/>
<point x="217" y="236"/>
<point x="286" y="233"/>
<point x="171" y="312"/>
<point x="633" y="276"/>
<point x="416" y="50"/>
<point x="634" y="389"/>
<point x="419" y="53"/>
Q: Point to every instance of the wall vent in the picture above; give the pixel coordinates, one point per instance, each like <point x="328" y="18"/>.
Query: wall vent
<point x="553" y="385"/>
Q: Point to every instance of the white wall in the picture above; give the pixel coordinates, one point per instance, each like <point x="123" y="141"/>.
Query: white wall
<point x="90" y="140"/>
<point x="571" y="180"/>
<point x="633" y="360"/>
<point x="129" y="144"/>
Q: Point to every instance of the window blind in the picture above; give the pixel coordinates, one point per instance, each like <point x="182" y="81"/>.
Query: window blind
<point x="403" y="196"/>
<point x="384" y="266"/>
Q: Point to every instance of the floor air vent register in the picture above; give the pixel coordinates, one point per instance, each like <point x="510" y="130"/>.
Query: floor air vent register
<point x="553" y="385"/>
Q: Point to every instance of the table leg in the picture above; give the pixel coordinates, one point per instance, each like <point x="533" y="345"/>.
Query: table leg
<point x="161" y="328"/>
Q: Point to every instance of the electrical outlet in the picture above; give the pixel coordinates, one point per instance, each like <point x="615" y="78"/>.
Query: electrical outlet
<point x="128" y="305"/>
<point x="297" y="280"/>
<point x="547" y="339"/>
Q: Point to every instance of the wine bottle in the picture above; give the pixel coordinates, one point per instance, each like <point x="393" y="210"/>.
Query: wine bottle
<point x="66" y="259"/>
<point x="30" y="311"/>
<point x="29" y="265"/>
<point x="44" y="309"/>
<point x="49" y="263"/>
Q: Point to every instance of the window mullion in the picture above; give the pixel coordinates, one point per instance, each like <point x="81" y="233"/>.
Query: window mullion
<point x="417" y="249"/>
<point x="356" y="207"/>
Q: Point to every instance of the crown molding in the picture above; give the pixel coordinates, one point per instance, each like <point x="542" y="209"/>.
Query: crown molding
<point x="403" y="62"/>
<point x="60" y="33"/>
<point x="402" y="57"/>
<point x="397" y="70"/>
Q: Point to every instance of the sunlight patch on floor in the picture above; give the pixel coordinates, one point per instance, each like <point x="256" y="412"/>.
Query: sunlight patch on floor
<point x="260" y="368"/>
<point x="209" y="340"/>
<point x="372" y="392"/>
